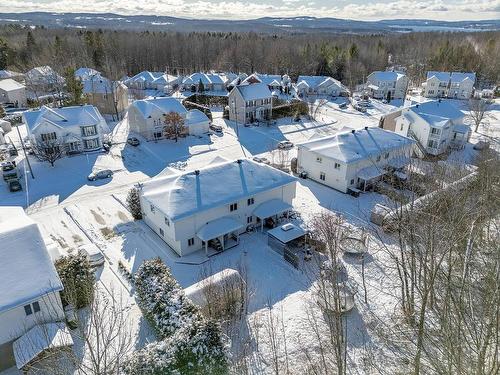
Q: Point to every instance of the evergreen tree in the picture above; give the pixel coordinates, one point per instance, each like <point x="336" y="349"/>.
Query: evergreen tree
<point x="74" y="87"/>
<point x="134" y="203"/>
<point x="5" y="54"/>
<point x="201" y="86"/>
<point x="77" y="278"/>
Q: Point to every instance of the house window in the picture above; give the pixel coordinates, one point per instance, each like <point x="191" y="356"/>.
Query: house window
<point x="401" y="128"/>
<point x="152" y="208"/>
<point x="435" y="131"/>
<point x="157" y="134"/>
<point x="167" y="221"/>
<point x="27" y="310"/>
<point x="162" y="232"/>
<point x="88" y="131"/>
<point x="318" y="159"/>
<point x="36" y="306"/>
<point x="191" y="242"/>
<point x="233" y="207"/>
<point x="322" y="176"/>
<point x="352" y="181"/>
<point x="249" y="219"/>
<point x="91" y="143"/>
<point x="337" y="166"/>
<point x="432" y="144"/>
<point x="386" y="156"/>
<point x="250" y="201"/>
<point x="46" y="137"/>
<point x="378" y="158"/>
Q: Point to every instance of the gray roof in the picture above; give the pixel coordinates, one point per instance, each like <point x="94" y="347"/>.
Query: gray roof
<point x="254" y="91"/>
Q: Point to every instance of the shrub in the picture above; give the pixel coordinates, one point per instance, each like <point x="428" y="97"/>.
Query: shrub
<point x="78" y="280"/>
<point x="134" y="203"/>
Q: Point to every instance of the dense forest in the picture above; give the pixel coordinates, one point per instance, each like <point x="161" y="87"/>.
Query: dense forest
<point x="348" y="58"/>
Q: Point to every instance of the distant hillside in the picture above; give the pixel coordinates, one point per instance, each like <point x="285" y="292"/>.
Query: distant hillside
<point x="262" y="25"/>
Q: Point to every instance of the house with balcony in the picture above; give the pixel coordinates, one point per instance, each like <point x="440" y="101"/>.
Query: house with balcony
<point x="147" y="117"/>
<point x="249" y="103"/>
<point x="454" y="85"/>
<point x="75" y="129"/>
<point x="353" y="161"/>
<point x="30" y="288"/>
<point x="387" y="84"/>
<point x="208" y="209"/>
<point x="320" y="85"/>
<point x="435" y="125"/>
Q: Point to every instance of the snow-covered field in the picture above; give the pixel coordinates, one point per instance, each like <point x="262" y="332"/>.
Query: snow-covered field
<point x="72" y="211"/>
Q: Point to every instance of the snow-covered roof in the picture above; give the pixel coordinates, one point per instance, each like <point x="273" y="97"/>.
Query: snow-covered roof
<point x="86" y="73"/>
<point x="10" y="85"/>
<point x="163" y="104"/>
<point x="441" y="76"/>
<point x="461" y="128"/>
<point x="253" y="91"/>
<point x="268" y="79"/>
<point x="287" y="232"/>
<point x="195" y="116"/>
<point x="98" y="85"/>
<point x="218" y="227"/>
<point x="4" y="73"/>
<point x="437" y="112"/>
<point x="41" y="337"/>
<point x="457" y="77"/>
<point x="26" y="271"/>
<point x="238" y="79"/>
<point x="84" y="115"/>
<point x="315" y="81"/>
<point x="386" y="75"/>
<point x="151" y="77"/>
<point x="270" y="208"/>
<point x="356" y="145"/>
<point x="44" y="71"/>
<point x="205" y="78"/>
<point x="187" y="193"/>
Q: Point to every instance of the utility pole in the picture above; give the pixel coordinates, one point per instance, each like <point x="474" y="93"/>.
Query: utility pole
<point x="24" y="151"/>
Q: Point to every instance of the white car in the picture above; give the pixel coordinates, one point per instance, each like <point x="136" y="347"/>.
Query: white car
<point x="100" y="175"/>
<point x="262" y="160"/>
<point x="285" y="145"/>
<point x="95" y="256"/>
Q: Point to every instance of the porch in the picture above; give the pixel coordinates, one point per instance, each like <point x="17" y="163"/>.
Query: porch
<point x="367" y="177"/>
<point x="220" y="234"/>
<point x="268" y="213"/>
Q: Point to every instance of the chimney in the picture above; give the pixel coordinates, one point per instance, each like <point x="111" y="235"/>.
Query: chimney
<point x="197" y="172"/>
<point x="417" y="105"/>
<point x="366" y="127"/>
<point x="439" y="100"/>
<point x="239" y="161"/>
<point x="353" y="131"/>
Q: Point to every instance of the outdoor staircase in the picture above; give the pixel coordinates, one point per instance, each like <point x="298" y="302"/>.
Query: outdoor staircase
<point x="216" y="244"/>
<point x="420" y="146"/>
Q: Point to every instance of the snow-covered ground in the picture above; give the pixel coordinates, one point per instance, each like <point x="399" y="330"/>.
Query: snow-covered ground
<point x="72" y="211"/>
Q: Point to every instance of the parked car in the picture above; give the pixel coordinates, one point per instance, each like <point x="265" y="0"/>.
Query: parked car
<point x="133" y="141"/>
<point x="95" y="256"/>
<point x="262" y="160"/>
<point x="99" y="175"/>
<point x="216" y="128"/>
<point x="9" y="171"/>
<point x="285" y="145"/>
<point x="343" y="105"/>
<point x="14" y="185"/>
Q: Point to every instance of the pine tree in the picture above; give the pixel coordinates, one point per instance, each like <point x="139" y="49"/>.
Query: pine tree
<point x="201" y="86"/>
<point x="74" y="87"/>
<point x="77" y="278"/>
<point x="134" y="203"/>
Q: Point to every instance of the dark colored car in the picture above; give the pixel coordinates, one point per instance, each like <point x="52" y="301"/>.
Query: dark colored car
<point x="133" y="141"/>
<point x="14" y="185"/>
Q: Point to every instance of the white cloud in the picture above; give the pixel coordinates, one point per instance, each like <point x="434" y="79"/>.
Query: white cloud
<point x="432" y="9"/>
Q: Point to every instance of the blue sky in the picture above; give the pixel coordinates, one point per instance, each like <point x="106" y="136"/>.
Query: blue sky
<point x="239" y="9"/>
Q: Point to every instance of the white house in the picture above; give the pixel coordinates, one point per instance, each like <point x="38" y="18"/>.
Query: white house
<point x="249" y="103"/>
<point x="320" y="85"/>
<point x="30" y="284"/>
<point x="147" y="80"/>
<point x="75" y="129"/>
<point x="382" y="84"/>
<point x="436" y="126"/>
<point x="147" y="117"/>
<point x="353" y="160"/>
<point x="455" y="85"/>
<point x="275" y="82"/>
<point x="211" y="82"/>
<point x="86" y="73"/>
<point x="43" y="79"/>
<point x="12" y="92"/>
<point x="211" y="207"/>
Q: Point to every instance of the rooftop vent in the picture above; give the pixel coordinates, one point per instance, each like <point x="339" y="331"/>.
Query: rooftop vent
<point x="417" y="105"/>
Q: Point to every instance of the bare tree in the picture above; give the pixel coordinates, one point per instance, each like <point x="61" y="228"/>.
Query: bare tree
<point x="174" y="125"/>
<point x="49" y="150"/>
<point x="477" y="110"/>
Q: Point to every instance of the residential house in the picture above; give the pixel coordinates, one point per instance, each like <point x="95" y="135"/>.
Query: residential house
<point x="455" y="85"/>
<point x="147" y="80"/>
<point x="353" y="160"/>
<point x="86" y="73"/>
<point x="75" y="129"/>
<point x="250" y="102"/>
<point x="12" y="92"/>
<point x="320" y="85"/>
<point x="16" y="76"/>
<point x="237" y="80"/>
<point x="387" y="84"/>
<point x="436" y="126"/>
<point x="147" y="117"/>
<point x="30" y="284"/>
<point x="209" y="208"/>
<point x="43" y="80"/>
<point x="110" y="97"/>
<point x="212" y="82"/>
<point x="276" y="83"/>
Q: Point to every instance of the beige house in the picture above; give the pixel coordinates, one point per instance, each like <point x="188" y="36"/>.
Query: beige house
<point x="250" y="103"/>
<point x="110" y="97"/>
